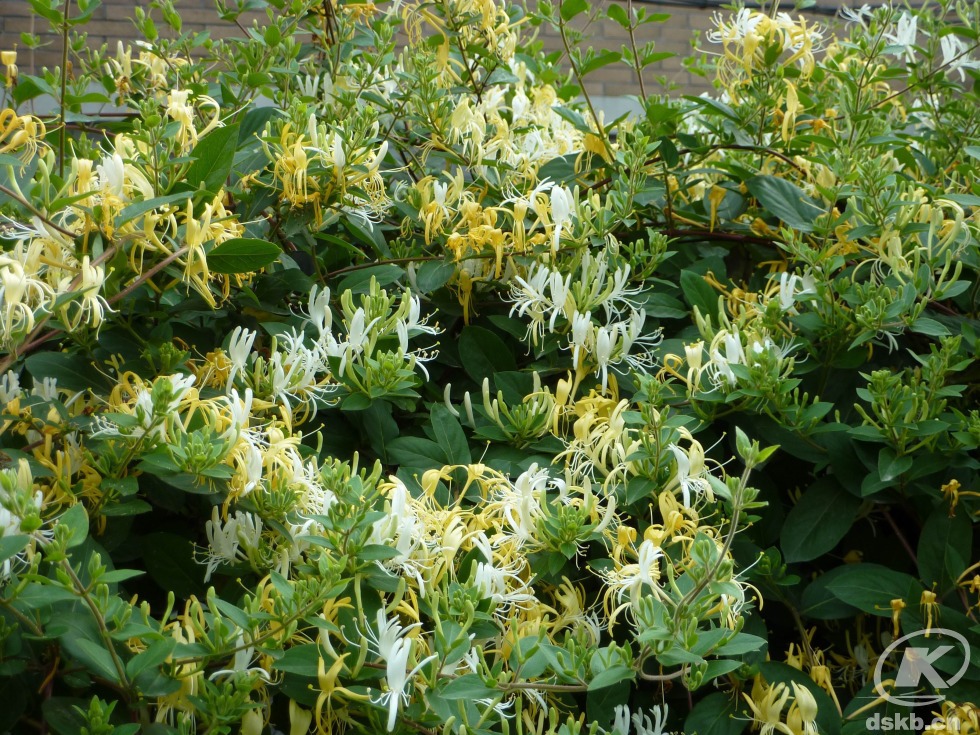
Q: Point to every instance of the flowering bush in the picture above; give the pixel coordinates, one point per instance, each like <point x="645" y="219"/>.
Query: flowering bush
<point x="362" y="376"/>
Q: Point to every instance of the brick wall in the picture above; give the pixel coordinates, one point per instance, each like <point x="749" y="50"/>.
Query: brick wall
<point x="111" y="23"/>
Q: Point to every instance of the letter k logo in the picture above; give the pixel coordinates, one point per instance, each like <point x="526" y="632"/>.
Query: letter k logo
<point x="916" y="663"/>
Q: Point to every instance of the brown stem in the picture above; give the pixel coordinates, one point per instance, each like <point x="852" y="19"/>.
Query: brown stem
<point x="148" y="275"/>
<point x="901" y="537"/>
<point x="35" y="211"/>
<point x="636" y="57"/>
<point x="63" y="136"/>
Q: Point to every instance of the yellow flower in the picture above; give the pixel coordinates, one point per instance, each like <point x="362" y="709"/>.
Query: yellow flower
<point x="767" y="704"/>
<point x="20" y="132"/>
<point x="792" y="107"/>
<point x="196" y="263"/>
<point x="9" y="59"/>
<point x="180" y="109"/>
<point x="802" y="715"/>
<point x="897" y="606"/>
<point x="929" y="608"/>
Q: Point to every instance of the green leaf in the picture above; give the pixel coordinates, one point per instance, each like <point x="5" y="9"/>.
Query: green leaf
<point x="242" y="255"/>
<point x="699" y="293"/>
<point x="872" y="587"/>
<point x="301" y="660"/>
<point x="76" y="519"/>
<point x="716" y="714"/>
<point x="819" y="521"/>
<point x="571" y="8"/>
<point x="120" y="575"/>
<point x="360" y="281"/>
<point x="213" y="156"/>
<point x="12" y="545"/>
<point x="433" y="275"/>
<point x="944" y="548"/>
<point x="601" y="59"/>
<point x="72" y="370"/>
<point x="377" y="552"/>
<point x="483" y="353"/>
<point x="891" y="466"/>
<point x="468" y="686"/>
<point x="417" y="453"/>
<point x="449" y="435"/>
<point x="741" y="643"/>
<point x="610" y="676"/>
<point x="786" y="201"/>
<point x="96" y="658"/>
<point x="929" y="327"/>
<point x="819" y="603"/>
<point x="617" y="13"/>
<point x="153" y="656"/>
<point x="62" y="714"/>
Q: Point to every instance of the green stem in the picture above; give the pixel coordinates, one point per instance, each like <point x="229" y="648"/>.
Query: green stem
<point x="63" y="134"/>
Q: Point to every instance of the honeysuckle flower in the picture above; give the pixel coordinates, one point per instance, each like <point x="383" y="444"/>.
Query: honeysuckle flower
<point x="91" y="307"/>
<point x="232" y="541"/>
<point x="241" y="664"/>
<point x="955" y="53"/>
<point x="767" y="708"/>
<point x="562" y="207"/>
<point x="856" y="15"/>
<point x="651" y="722"/>
<point x="683" y="474"/>
<point x="498" y="579"/>
<point x="20" y="513"/>
<point x="802" y="715"/>
<point x="21" y="295"/>
<point x="604" y="344"/>
<point x="625" y="584"/>
<point x="621" y="720"/>
<point x="904" y="35"/>
<point x="24" y="133"/>
<point x="180" y="109"/>
<point x="394" y="647"/>
<point x="520" y="504"/>
<point x="239" y="351"/>
<point x="581" y="337"/>
<point x="9" y="387"/>
<point x="9" y="60"/>
<point x="719" y="368"/>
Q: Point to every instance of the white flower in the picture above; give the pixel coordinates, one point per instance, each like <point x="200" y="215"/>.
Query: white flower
<point x="856" y="15"/>
<point x="242" y="662"/>
<point x="521" y="504"/>
<point x="562" y="206"/>
<point x="955" y="55"/>
<point x="239" y="350"/>
<point x="621" y="720"/>
<point x="396" y="650"/>
<point x="112" y="175"/>
<point x="319" y="307"/>
<point x="646" y="726"/>
<point x="581" y="333"/>
<point x="225" y="541"/>
<point x="9" y="387"/>
<point x="904" y="35"/>
<point x="605" y="342"/>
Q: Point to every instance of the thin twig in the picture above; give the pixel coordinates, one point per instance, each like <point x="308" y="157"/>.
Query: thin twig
<point x="144" y="277"/>
<point x="35" y="211"/>
<point x="636" y="56"/>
